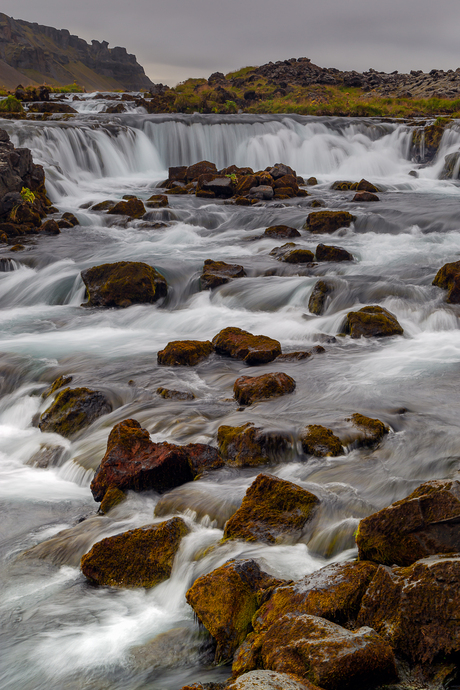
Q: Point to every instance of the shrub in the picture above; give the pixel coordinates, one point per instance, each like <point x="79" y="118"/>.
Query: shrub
<point x="10" y="104"/>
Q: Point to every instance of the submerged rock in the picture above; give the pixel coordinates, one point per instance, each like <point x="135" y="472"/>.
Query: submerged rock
<point x="291" y="253"/>
<point x="225" y="601"/>
<point x="250" y="389"/>
<point x="320" y="441"/>
<point x="372" y="322"/>
<point x="185" y="353"/>
<point x="113" y="497"/>
<point x="174" y="395"/>
<point x="133" y="208"/>
<point x="317" y="300"/>
<point x="252" y="349"/>
<point x="448" y="278"/>
<point x="46" y="456"/>
<point x="122" y="284"/>
<point x="73" y="410"/>
<point x="60" y="382"/>
<point x="157" y="201"/>
<point x="371" y="431"/>
<point x="249" y="446"/>
<point x="272" y="510"/>
<point x="217" y="273"/>
<point x="331" y="253"/>
<point x="281" y="231"/>
<point x="139" y="558"/>
<point x="133" y="461"/>
<point x="416" y="608"/>
<point x="270" y="680"/>
<point x="328" y="221"/>
<point x="423" y="524"/>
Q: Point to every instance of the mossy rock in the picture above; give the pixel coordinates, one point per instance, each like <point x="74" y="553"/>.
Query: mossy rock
<point x="365" y="186"/>
<point x="431" y="136"/>
<point x="217" y="273"/>
<point x="272" y="510"/>
<point x="157" y="201"/>
<point x="249" y="446"/>
<point x="139" y="558"/>
<point x="371" y="431"/>
<point x="169" y="394"/>
<point x="448" y="278"/>
<point x="60" y="382"/>
<point x="328" y="221"/>
<point x="365" y="196"/>
<point x="326" y="252"/>
<point x="372" y="322"/>
<point x="251" y="349"/>
<point x="185" y="353"/>
<point x="122" y="284"/>
<point x="344" y="185"/>
<point x="311" y="182"/>
<point x="73" y="410"/>
<point x="193" y="172"/>
<point x="250" y="389"/>
<point x="112" y="498"/>
<point x="317" y="300"/>
<point x="320" y="441"/>
<point x="103" y="205"/>
<point x="423" y="524"/>
<point x="298" y="256"/>
<point x="225" y="601"/>
<point x="281" y="231"/>
<point x="133" y="208"/>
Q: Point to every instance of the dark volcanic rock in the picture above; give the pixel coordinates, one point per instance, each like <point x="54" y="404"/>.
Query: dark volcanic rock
<point x="371" y="322"/>
<point x="249" y="446"/>
<point x="252" y="349"/>
<point x="217" y="273"/>
<point x="51" y="107"/>
<point x="139" y="558"/>
<point x="328" y="221"/>
<point x="272" y="510"/>
<point x="122" y="284"/>
<point x="281" y="231"/>
<point x="134" y="208"/>
<point x="331" y="253"/>
<point x="250" y="389"/>
<point x="317" y="300"/>
<point x="448" y="278"/>
<point x="185" y="353"/>
<point x="320" y="441"/>
<point x="73" y="410"/>
<point x="365" y="196"/>
<point x="174" y="395"/>
<point x="17" y="170"/>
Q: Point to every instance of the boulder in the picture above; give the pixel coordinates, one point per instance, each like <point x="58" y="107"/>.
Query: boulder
<point x="249" y="446"/>
<point x="317" y="300"/>
<point x="365" y="186"/>
<point x="326" y="252"/>
<point x="365" y="196"/>
<point x="217" y="273"/>
<point x="225" y="601"/>
<point x="17" y="170"/>
<point x="281" y="231"/>
<point x="133" y="208"/>
<point x="328" y="221"/>
<point x="174" y="395"/>
<point x="312" y="181"/>
<point x="451" y="167"/>
<point x="252" y="349"/>
<point x="103" y="205"/>
<point x="287" y="182"/>
<point x="372" y="322"/>
<point x="60" y="382"/>
<point x="250" y="389"/>
<point x="270" y="680"/>
<point x="202" y="168"/>
<point x="370" y="431"/>
<point x="273" y="510"/>
<point x="425" y="523"/>
<point x="122" y="284"/>
<point x="327" y="654"/>
<point x="70" y="218"/>
<point x="333" y="592"/>
<point x="320" y="441"/>
<point x="157" y="201"/>
<point x="185" y="353"/>
<point x="177" y="173"/>
<point x="139" y="558"/>
<point x="448" y="278"/>
<point x="222" y="187"/>
<point x="50" y="227"/>
<point x="416" y="608"/>
<point x="133" y="461"/>
<point x="293" y="254"/>
<point x="344" y="185"/>
<point x="245" y="184"/>
<point x="263" y="192"/>
<point x="280" y="170"/>
<point x="74" y="410"/>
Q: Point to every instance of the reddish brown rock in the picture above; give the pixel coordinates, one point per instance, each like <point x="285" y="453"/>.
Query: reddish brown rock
<point x="372" y="322"/>
<point x="365" y="196"/>
<point x="272" y="510"/>
<point x="139" y="558"/>
<point x="133" y="208"/>
<point x="252" y="349"/>
<point x="49" y="227"/>
<point x="245" y="184"/>
<point x="448" y="278"/>
<point x="365" y="186"/>
<point x="217" y="273"/>
<point x="423" y="524"/>
<point x="72" y="410"/>
<point x="250" y="389"/>
<point x="122" y="284"/>
<point x="330" y="253"/>
<point x="320" y="441"/>
<point x="281" y="231"/>
<point x="328" y="221"/>
<point x="157" y="201"/>
<point x="194" y="171"/>
<point x="185" y="353"/>
<point x="133" y="461"/>
<point x="248" y="446"/>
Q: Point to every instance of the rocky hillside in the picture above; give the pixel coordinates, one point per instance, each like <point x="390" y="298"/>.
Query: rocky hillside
<point x="34" y="54"/>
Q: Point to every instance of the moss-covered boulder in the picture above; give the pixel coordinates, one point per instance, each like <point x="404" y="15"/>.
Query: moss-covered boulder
<point x="139" y="558"/>
<point x="122" y="284"/>
<point x="317" y="299"/>
<point x="193" y="172"/>
<point x="133" y="461"/>
<point x="320" y="441"/>
<point x="251" y="389"/>
<point x="281" y="231"/>
<point x="327" y="654"/>
<point x="133" y="208"/>
<point x="344" y="185"/>
<point x="423" y="524"/>
<point x="366" y="186"/>
<point x="113" y="497"/>
<point x="365" y="196"/>
<point x="157" y="201"/>
<point x="326" y="252"/>
<point x="270" y="680"/>
<point x="49" y="227"/>
<point x="372" y="322"/>
<point x="245" y="184"/>
<point x="73" y="410"/>
<point x="272" y="510"/>
<point x="416" y="608"/>
<point x="251" y="349"/>
<point x="58" y="383"/>
<point x="291" y="253"/>
<point x="185" y="353"/>
<point x="370" y="431"/>
<point x="225" y="601"/>
<point x="249" y="446"/>
<point x="169" y="394"/>
<point x="448" y="278"/>
<point x="217" y="273"/>
<point x="333" y="592"/>
<point x="328" y="221"/>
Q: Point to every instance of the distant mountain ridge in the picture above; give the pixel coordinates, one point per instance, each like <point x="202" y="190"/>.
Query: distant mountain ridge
<point x="33" y="54"/>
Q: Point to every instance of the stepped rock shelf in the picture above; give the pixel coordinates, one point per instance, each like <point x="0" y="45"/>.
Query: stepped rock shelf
<point x="228" y="403"/>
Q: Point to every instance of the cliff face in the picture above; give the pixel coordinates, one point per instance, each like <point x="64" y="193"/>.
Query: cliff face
<point x="33" y="54"/>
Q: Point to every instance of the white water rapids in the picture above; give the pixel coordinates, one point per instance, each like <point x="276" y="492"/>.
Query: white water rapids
<point x="57" y="631"/>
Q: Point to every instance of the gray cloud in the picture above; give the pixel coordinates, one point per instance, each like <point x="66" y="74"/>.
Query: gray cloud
<point x="175" y="39"/>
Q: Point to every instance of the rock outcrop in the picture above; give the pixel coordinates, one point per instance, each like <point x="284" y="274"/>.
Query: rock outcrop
<point x="122" y="284"/>
<point x="73" y="410"/>
<point x="372" y="322"/>
<point x="448" y="278"/>
<point x="185" y="353"/>
<point x="252" y="349"/>
<point x="217" y="273"/>
<point x="249" y="446"/>
<point x="250" y="389"/>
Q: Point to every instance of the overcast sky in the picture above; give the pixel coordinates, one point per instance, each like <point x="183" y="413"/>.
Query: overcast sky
<point x="176" y="39"/>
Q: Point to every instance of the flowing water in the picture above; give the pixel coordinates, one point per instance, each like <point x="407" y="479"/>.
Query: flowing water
<point x="57" y="631"/>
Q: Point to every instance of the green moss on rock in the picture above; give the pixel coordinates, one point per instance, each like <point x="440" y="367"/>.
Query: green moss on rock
<point x="60" y="382"/>
<point x="320" y="441"/>
<point x="134" y="208"/>
<point x="250" y="389"/>
<point x="122" y="284"/>
<point x="73" y="410"/>
<point x="252" y="349"/>
<point x="328" y="221"/>
<point x="448" y="278"/>
<point x="317" y="300"/>
<point x="248" y="446"/>
<point x="185" y="353"/>
<point x="372" y="322"/>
